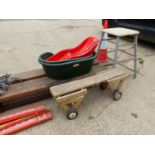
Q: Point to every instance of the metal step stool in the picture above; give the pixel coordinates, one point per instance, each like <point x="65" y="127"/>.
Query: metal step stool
<point x="118" y="33"/>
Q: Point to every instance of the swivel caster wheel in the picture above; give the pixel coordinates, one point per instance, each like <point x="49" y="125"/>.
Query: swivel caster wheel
<point x="117" y="95"/>
<point x="72" y="114"/>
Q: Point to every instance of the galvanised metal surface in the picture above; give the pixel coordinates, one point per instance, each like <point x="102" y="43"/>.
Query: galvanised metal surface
<point x="5" y="80"/>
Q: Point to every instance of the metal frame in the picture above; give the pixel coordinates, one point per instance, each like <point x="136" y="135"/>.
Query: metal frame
<point x="116" y="50"/>
<point x="135" y="55"/>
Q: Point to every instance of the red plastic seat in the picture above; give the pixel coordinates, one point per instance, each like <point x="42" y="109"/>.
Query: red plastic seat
<point x="85" y="48"/>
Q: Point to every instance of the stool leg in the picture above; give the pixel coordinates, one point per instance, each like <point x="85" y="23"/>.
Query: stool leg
<point x="135" y="56"/>
<point x="116" y="52"/>
<point x="100" y="42"/>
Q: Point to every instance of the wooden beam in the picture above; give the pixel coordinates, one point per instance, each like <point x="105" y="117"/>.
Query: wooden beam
<point x="26" y="88"/>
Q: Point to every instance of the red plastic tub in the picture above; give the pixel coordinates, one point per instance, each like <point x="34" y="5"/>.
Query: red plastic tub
<point x="85" y="48"/>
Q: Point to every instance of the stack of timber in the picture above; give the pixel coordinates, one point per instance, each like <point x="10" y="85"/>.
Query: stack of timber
<point x="34" y="87"/>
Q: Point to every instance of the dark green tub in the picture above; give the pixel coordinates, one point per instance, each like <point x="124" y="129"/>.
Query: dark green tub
<point x="66" y="69"/>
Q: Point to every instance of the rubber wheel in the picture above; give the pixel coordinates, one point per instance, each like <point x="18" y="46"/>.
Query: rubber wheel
<point x="103" y="86"/>
<point x="72" y="114"/>
<point x="117" y="95"/>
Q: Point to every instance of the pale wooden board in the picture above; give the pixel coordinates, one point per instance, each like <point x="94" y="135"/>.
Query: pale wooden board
<point x="124" y="76"/>
<point x="121" y="32"/>
<point x="85" y="82"/>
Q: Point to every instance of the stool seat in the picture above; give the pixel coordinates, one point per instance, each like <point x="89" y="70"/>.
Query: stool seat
<point x="120" y="32"/>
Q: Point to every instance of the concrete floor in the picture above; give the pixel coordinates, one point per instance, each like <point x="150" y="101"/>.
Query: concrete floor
<point x="21" y="42"/>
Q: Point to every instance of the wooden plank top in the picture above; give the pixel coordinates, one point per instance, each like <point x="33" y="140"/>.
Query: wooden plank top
<point x="121" y="32"/>
<point x="33" y="74"/>
<point x="85" y="82"/>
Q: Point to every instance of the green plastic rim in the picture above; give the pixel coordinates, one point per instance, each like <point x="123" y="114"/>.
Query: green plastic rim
<point x="66" y="62"/>
<point x="40" y="59"/>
